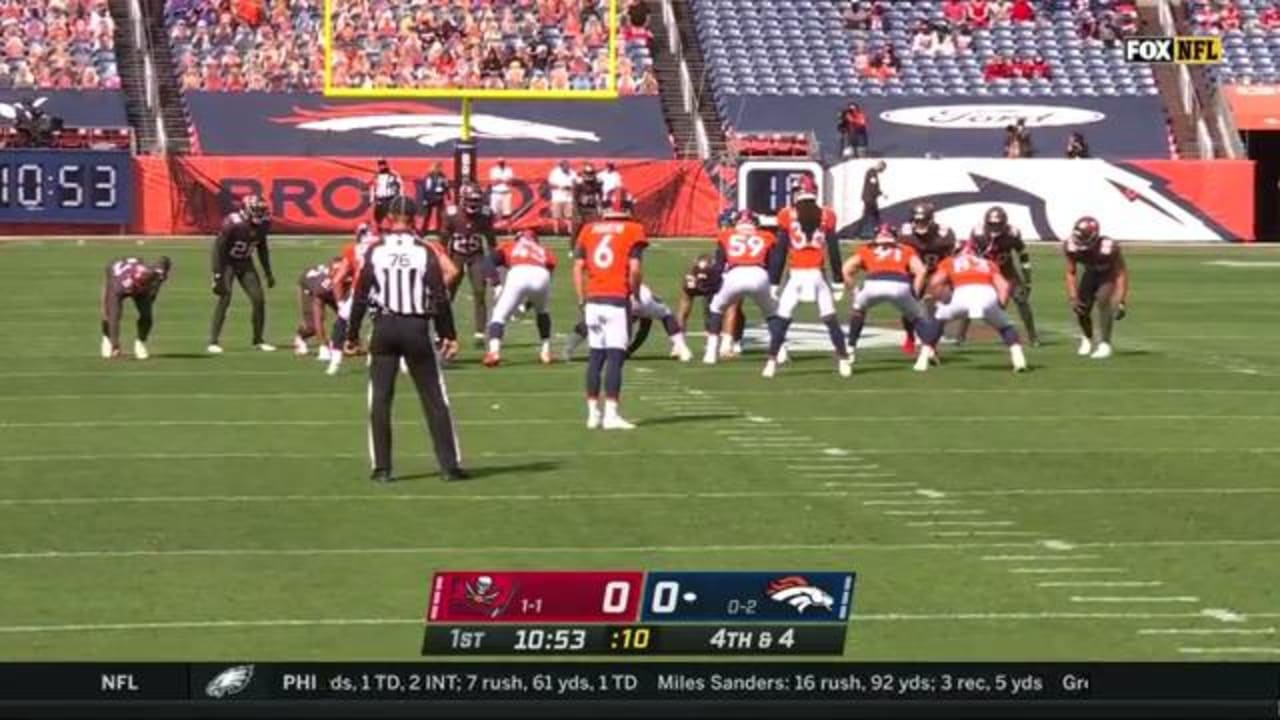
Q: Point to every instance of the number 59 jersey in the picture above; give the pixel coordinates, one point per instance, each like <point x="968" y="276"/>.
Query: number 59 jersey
<point x="745" y="246"/>
<point x="606" y="248"/>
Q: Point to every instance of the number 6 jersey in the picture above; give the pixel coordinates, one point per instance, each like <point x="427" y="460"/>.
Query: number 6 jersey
<point x="606" y="248"/>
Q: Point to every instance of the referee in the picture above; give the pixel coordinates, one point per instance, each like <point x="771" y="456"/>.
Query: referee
<point x="407" y="282"/>
<point x="385" y="187"/>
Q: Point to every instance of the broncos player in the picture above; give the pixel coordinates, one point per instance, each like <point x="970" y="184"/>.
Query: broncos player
<point x="1104" y="283"/>
<point x="998" y="241"/>
<point x="969" y="285"/>
<point x="932" y="242"/>
<point x="529" y="267"/>
<point x="243" y="232"/>
<point x="749" y="261"/>
<point x="343" y="282"/>
<point x="315" y="295"/>
<point x="132" y="278"/>
<point x="895" y="274"/>
<point x="806" y="228"/>
<point x="469" y="236"/>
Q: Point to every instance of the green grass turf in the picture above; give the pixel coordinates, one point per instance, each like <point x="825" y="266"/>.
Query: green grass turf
<point x="195" y="507"/>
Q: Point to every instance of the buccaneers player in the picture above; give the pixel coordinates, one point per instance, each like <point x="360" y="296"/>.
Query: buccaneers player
<point x="932" y="242"/>
<point x="1104" y="283"/>
<point x="1000" y="242"/>
<point x="469" y="236"/>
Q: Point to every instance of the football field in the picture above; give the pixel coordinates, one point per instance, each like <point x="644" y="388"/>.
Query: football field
<point x="193" y="507"/>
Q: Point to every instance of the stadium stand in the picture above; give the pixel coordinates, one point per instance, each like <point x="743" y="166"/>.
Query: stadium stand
<point x="1250" y="31"/>
<point x="57" y="45"/>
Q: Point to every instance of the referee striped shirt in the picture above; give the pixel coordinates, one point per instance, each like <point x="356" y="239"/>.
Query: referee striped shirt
<point x="402" y="276"/>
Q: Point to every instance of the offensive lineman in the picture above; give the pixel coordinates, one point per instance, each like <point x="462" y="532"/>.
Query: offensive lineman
<point x="1105" y="283"/>
<point x="529" y="266"/>
<point x="973" y="286"/>
<point x="315" y="295"/>
<point x="932" y="242"/>
<point x="895" y="274"/>
<point x="469" y="236"/>
<point x="806" y="228"/>
<point x="1000" y="242"/>
<point x="607" y="271"/>
<point x="748" y="260"/>
<point x="344" y="279"/>
<point x="242" y="232"/>
<point x="131" y="278"/>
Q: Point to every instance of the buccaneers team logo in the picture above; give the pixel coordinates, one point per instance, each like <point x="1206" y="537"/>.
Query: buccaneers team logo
<point x="799" y="593"/>
<point x="481" y="595"/>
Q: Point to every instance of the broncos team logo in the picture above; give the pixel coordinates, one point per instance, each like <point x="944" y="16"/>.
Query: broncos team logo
<point x="426" y="124"/>
<point x="1043" y="197"/>
<point x="799" y="593"/>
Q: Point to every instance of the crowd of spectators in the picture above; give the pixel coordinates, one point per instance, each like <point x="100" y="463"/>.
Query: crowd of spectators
<point x="1010" y="67"/>
<point x="501" y="44"/>
<point x="237" y="45"/>
<point x="57" y="45"/>
<point x="1224" y="16"/>
<point x="1106" y="24"/>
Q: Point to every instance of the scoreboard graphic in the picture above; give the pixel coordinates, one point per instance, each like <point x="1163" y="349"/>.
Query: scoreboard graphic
<point x="633" y="612"/>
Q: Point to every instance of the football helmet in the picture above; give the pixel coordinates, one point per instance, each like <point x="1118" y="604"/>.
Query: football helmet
<point x="471" y="198"/>
<point x="922" y="217"/>
<point x="996" y="221"/>
<point x="1087" y="231"/>
<point x="255" y="209"/>
<point x="745" y="217"/>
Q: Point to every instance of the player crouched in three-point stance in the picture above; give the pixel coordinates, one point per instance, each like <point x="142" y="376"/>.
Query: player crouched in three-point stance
<point x="607" y="271"/>
<point x="315" y="296"/>
<point x="748" y="260"/>
<point x="976" y="289"/>
<point x="131" y="278"/>
<point x="703" y="280"/>
<point x="647" y="307"/>
<point x="344" y="280"/>
<point x="1105" y="283"/>
<point x="529" y="266"/>
<point x="806" y="227"/>
<point x="408" y="280"/>
<point x="895" y="274"/>
<point x="998" y="241"/>
<point x="242" y="232"/>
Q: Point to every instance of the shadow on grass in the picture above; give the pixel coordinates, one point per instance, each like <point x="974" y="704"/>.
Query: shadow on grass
<point x="681" y="419"/>
<point x="486" y="471"/>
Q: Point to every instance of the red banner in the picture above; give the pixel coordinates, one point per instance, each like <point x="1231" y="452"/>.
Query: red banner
<point x="1219" y="191"/>
<point x="191" y="194"/>
<point x="1256" y="107"/>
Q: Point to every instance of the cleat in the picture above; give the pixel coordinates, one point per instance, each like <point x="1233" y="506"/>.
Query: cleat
<point x="845" y="367"/>
<point x="491" y="359"/>
<point x="1019" y="358"/>
<point x="455" y="475"/>
<point x="105" y="349"/>
<point x="478" y="340"/>
<point x="924" y="359"/>
<point x="837" y="292"/>
<point x="709" y="357"/>
<point x="322" y="353"/>
<point x="593" y="420"/>
<point x="616" y="422"/>
<point x="853" y="357"/>
<point x="214" y="349"/>
<point x="1086" y="347"/>
<point x="770" y="368"/>
<point x="683" y="354"/>
<point x="380" y="476"/>
<point x="784" y="355"/>
<point x="737" y="349"/>
<point x="335" y="362"/>
<point x="1102" y="352"/>
<point x="300" y="347"/>
<point x="266" y="347"/>
<point x="545" y="358"/>
<point x="909" y="345"/>
<point x="140" y="350"/>
<point x="404" y="367"/>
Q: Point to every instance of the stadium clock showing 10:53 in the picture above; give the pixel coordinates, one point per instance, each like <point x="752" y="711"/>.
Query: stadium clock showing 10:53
<point x="65" y="186"/>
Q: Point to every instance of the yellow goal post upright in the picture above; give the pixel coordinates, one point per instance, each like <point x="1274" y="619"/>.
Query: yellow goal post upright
<point x="465" y="152"/>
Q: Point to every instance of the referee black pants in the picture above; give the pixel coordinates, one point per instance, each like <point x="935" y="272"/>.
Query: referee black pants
<point x="394" y="337"/>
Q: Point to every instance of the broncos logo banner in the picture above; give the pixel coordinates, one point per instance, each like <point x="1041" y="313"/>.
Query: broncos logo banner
<point x="1146" y="200"/>
<point x="317" y="194"/>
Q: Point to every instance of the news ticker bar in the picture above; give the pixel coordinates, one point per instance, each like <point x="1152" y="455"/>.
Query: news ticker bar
<point x="708" y="640"/>
<point x="998" y="683"/>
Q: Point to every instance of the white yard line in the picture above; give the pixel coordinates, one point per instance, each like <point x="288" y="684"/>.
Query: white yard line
<point x="1207" y="631"/>
<point x="1033" y="558"/>
<point x="987" y="533"/>
<point x="1134" y="599"/>
<point x="1099" y="583"/>
<point x="927" y="513"/>
<point x="1065" y="570"/>
<point x="962" y="523"/>
<point x="897" y="391"/>
<point x="1247" y="650"/>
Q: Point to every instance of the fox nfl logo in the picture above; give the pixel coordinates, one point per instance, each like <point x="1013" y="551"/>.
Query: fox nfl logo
<point x="1184" y="50"/>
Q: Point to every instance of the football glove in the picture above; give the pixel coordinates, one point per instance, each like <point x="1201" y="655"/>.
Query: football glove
<point x="271" y="281"/>
<point x="1121" y="311"/>
<point x="217" y="286"/>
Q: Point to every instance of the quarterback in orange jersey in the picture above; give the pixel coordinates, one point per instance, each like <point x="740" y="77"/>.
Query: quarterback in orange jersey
<point x="894" y="274"/>
<point x="749" y="260"/>
<point x="607" y="272"/>
<point x="970" y="285"/>
<point x="529" y="266"/>
<point x="805" y="228"/>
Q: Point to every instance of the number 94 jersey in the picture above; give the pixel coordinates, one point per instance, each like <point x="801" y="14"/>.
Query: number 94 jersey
<point x="605" y="248"/>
